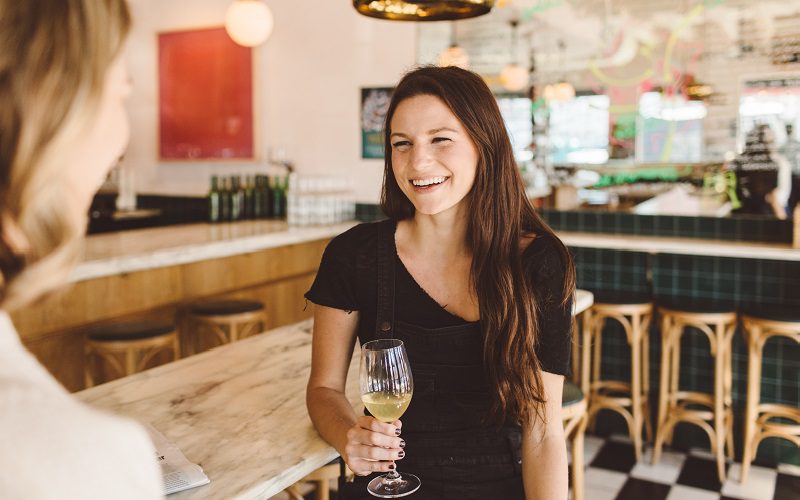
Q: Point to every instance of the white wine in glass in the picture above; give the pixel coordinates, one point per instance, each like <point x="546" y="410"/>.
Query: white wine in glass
<point x="386" y="390"/>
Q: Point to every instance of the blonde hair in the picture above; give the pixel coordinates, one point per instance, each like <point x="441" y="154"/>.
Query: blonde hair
<point x="54" y="58"/>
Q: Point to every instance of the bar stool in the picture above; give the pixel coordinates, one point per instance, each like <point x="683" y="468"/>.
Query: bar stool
<point x="322" y="478"/>
<point x="760" y="326"/>
<point x="573" y="415"/>
<point x="127" y="348"/>
<point x="715" y="415"/>
<point x="630" y="400"/>
<point x="222" y="322"/>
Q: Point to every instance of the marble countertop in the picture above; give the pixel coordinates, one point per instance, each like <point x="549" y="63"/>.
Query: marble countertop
<point x="141" y="249"/>
<point x="238" y="410"/>
<point x="683" y="246"/>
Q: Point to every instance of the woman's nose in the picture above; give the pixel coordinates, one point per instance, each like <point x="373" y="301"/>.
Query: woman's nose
<point x="421" y="155"/>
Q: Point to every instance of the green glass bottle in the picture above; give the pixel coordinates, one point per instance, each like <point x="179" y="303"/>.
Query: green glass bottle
<point x="213" y="201"/>
<point x="224" y="201"/>
<point x="258" y="198"/>
<point x="236" y="204"/>
<point x="277" y="198"/>
<point x="248" y="197"/>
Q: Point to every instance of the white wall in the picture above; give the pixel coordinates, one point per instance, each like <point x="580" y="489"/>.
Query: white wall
<point x="307" y="89"/>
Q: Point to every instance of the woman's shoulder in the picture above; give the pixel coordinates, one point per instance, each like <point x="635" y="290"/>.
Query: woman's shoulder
<point x="83" y="452"/>
<point x="357" y="238"/>
<point x="542" y="248"/>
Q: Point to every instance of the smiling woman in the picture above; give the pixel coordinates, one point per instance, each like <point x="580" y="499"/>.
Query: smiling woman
<point x="477" y="287"/>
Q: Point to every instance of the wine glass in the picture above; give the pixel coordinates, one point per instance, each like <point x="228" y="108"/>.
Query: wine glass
<point x="386" y="389"/>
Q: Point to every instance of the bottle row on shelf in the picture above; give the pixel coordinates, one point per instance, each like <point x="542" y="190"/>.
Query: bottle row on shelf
<point x="258" y="197"/>
<point x="301" y="200"/>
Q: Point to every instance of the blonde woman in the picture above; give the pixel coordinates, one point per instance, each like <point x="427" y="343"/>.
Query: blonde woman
<point x="63" y="87"/>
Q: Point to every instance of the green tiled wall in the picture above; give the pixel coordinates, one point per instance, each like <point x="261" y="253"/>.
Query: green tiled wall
<point x="739" y="228"/>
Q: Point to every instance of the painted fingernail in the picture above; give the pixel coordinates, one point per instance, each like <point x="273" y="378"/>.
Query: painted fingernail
<point x="401" y="454"/>
<point x="397" y="432"/>
<point x="392" y="466"/>
<point x="402" y="444"/>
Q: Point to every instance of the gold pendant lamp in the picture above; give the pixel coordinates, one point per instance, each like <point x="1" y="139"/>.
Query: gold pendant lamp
<point x="423" y="10"/>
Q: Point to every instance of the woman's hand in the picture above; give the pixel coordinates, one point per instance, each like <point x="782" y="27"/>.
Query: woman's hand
<point x="373" y="446"/>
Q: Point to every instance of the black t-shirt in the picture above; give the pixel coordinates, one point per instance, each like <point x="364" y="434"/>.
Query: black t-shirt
<point x="347" y="280"/>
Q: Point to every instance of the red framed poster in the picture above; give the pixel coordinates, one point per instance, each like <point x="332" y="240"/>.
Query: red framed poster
<point x="205" y="83"/>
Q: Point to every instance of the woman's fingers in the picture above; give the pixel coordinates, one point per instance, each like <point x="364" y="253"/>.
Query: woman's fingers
<point x="373" y="446"/>
<point x="374" y="425"/>
<point x="374" y="452"/>
<point x="361" y="467"/>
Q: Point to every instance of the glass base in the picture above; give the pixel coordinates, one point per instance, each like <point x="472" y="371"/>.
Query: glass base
<point x="384" y="487"/>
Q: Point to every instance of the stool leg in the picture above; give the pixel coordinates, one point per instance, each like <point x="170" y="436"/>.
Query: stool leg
<point x="636" y="385"/>
<point x="323" y="490"/>
<point x="675" y="372"/>
<point x="599" y="323"/>
<point x="585" y="351"/>
<point x="728" y="369"/>
<point x="646" y="378"/>
<point x="130" y="362"/>
<point x="597" y="341"/>
<point x="719" y="407"/>
<point x="577" y="460"/>
<point x="663" y="387"/>
<point x="753" y="395"/>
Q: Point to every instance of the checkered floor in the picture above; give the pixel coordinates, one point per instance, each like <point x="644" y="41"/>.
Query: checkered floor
<point x="613" y="474"/>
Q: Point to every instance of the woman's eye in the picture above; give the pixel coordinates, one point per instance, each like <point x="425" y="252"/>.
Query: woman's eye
<point x="440" y="139"/>
<point x="401" y="144"/>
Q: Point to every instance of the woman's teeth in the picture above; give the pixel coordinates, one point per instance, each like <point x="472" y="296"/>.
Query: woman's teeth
<point x="428" y="182"/>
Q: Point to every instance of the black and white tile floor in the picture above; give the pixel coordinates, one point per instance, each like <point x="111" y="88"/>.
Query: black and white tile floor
<point x="612" y="474"/>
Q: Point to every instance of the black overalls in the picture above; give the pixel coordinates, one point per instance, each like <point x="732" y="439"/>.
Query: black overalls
<point x="448" y="447"/>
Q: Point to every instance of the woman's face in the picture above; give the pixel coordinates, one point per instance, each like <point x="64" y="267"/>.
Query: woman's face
<point x="105" y="140"/>
<point x="434" y="160"/>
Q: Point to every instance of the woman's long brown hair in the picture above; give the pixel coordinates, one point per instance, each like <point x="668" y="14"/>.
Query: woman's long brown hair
<point x="500" y="215"/>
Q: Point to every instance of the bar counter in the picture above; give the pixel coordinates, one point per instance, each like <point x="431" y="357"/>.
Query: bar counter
<point x="239" y="410"/>
<point x="137" y="250"/>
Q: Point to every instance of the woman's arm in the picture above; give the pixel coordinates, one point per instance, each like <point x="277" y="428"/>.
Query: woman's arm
<point x="544" y="449"/>
<point x="366" y="444"/>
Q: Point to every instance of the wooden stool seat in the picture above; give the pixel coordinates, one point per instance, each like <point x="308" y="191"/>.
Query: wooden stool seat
<point x="127" y="348"/>
<point x="759" y="326"/>
<point x="713" y="412"/>
<point x="215" y="322"/>
<point x="629" y="399"/>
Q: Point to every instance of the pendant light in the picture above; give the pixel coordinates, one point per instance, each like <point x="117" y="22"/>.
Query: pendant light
<point x="514" y="77"/>
<point x="562" y="91"/>
<point x="248" y="22"/>
<point x="453" y="55"/>
<point x="423" y="10"/>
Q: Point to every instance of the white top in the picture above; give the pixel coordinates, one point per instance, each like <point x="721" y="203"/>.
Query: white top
<point x="54" y="447"/>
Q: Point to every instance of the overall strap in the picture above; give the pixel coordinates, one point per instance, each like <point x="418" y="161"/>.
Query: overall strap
<point x="384" y="319"/>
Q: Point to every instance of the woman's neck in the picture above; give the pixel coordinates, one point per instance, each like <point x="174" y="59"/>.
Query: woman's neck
<point x="440" y="236"/>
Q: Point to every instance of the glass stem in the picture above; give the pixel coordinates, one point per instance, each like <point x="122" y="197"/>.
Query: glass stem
<point x="391" y="476"/>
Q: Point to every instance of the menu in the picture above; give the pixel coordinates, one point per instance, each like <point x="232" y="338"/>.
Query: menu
<point x="179" y="474"/>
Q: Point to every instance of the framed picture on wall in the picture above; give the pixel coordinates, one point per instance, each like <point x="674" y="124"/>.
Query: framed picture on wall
<point x="205" y="102"/>
<point x="374" y="104"/>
